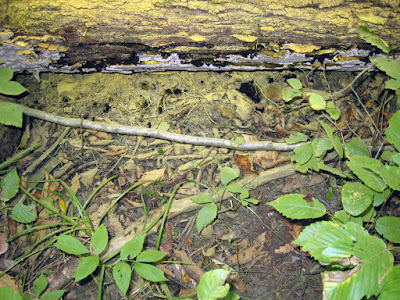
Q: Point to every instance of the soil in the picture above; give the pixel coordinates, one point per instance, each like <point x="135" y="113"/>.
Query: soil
<point x="223" y="105"/>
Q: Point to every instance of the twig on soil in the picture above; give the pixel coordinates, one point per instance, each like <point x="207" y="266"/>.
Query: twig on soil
<point x="149" y="132"/>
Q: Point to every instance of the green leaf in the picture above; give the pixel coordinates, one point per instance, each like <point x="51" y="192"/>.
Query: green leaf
<point x="122" y="273"/>
<point x="302" y="153"/>
<point x="202" y="199"/>
<point x="211" y="285"/>
<point x="238" y="141"/>
<point x="368" y="215"/>
<point x="8" y="293"/>
<point x="390" y="284"/>
<point x="9" y="185"/>
<point x="334" y="171"/>
<point x="39" y="285"/>
<point x="317" y="102"/>
<point x="356" y="198"/>
<point x="396" y="158"/>
<point x="298" y="138"/>
<point x="356" y="147"/>
<point x="150" y="256"/>
<point x="291" y="94"/>
<point x="391" y="176"/>
<point x="388" y="227"/>
<point x="295" y="83"/>
<point x="312" y="164"/>
<point x="206" y="215"/>
<point x="70" y="245"/>
<point x="333" y="111"/>
<point x="11" y="88"/>
<point x="234" y="188"/>
<point x="24" y="213"/>
<point x="393" y="84"/>
<point x="99" y="239"/>
<point x="228" y="174"/>
<point x="10" y="114"/>
<point x="294" y="206"/>
<point x="334" y="139"/>
<point x="132" y="248"/>
<point x="369" y="170"/>
<point x="53" y="295"/>
<point x="380" y="197"/>
<point x="373" y="39"/>
<point x="149" y="272"/>
<point x="389" y="66"/>
<point x="393" y="132"/>
<point x="86" y="267"/>
<point x="6" y="74"/>
<point x="252" y="201"/>
<point x="345" y="217"/>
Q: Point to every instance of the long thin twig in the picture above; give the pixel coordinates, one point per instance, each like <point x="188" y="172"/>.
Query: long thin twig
<point x="149" y="132"/>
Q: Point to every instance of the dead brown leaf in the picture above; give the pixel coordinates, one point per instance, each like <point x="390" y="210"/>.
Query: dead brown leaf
<point x="3" y="243"/>
<point x="245" y="164"/>
<point x="99" y="134"/>
<point x="246" y="255"/>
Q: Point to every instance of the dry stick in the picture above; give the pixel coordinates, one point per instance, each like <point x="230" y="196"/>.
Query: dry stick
<point x="140" y="131"/>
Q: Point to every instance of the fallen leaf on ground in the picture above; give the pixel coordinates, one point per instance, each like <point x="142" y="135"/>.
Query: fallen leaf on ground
<point x="244" y="256"/>
<point x="284" y="249"/>
<point x="3" y="243"/>
<point x="87" y="177"/>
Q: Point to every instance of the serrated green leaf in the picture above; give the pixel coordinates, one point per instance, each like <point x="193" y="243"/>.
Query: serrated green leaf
<point x="6" y="74"/>
<point x="291" y="94"/>
<point x="70" y="245"/>
<point x="9" y="186"/>
<point x="356" y="198"/>
<point x="369" y="170"/>
<point x="8" y="293"/>
<point x="345" y="217"/>
<point x="388" y="227"/>
<point x="373" y="39"/>
<point x="317" y="102"/>
<point x="11" y="88"/>
<point x="24" y="213"/>
<point x="294" y="206"/>
<point x="10" y="114"/>
<point x="150" y="256"/>
<point x="368" y="215"/>
<point x="392" y="84"/>
<point x="334" y="171"/>
<point x="302" y="153"/>
<point x="86" y="267"/>
<point x="390" y="284"/>
<point x="393" y="131"/>
<point x="295" y="83"/>
<point x="202" y="199"/>
<point x="356" y="147"/>
<point x="391" y="176"/>
<point x="211" y="285"/>
<point x="333" y="111"/>
<point x="320" y="146"/>
<point x="380" y="197"/>
<point x="298" y="138"/>
<point x="99" y="239"/>
<point x="389" y="66"/>
<point x="122" y="273"/>
<point x="228" y="174"/>
<point x="53" y="295"/>
<point x="396" y="158"/>
<point x="132" y="248"/>
<point x="312" y="164"/>
<point x="334" y="139"/>
<point x="206" y="215"/>
<point x="149" y="272"/>
<point x="39" y="285"/>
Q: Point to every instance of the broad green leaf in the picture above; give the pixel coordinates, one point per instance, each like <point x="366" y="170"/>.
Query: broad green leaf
<point x="391" y="176"/>
<point x="39" y="285"/>
<point x="389" y="228"/>
<point x="295" y="83"/>
<point x="252" y="201"/>
<point x="298" y="138"/>
<point x="53" y="295"/>
<point x="206" y="215"/>
<point x="295" y="206"/>
<point x="334" y="171"/>
<point x="122" y="273"/>
<point x="238" y="141"/>
<point x="356" y="198"/>
<point x="149" y="272"/>
<point x="234" y="188"/>
<point x="334" y="139"/>
<point x="380" y="197"/>
<point x="389" y="66"/>
<point x="70" y="245"/>
<point x="228" y="174"/>
<point x="396" y="158"/>
<point x="370" y="37"/>
<point x="6" y="74"/>
<point x="393" y="132"/>
<point x="390" y="284"/>
<point x="303" y="153"/>
<point x="244" y="194"/>
<point x="393" y="84"/>
<point x="312" y="164"/>
<point x="24" y="213"/>
<point x="9" y="185"/>
<point x="369" y="170"/>
<point x="202" y="199"/>
<point x="10" y="114"/>
<point x="11" y="88"/>
<point x="99" y="239"/>
<point x="8" y="293"/>
<point x="150" y="256"/>
<point x="212" y="285"/>
<point x="317" y="102"/>
<point x="368" y="215"/>
<point x="345" y="217"/>
<point x="333" y="111"/>
<point x="231" y="296"/>
<point x="132" y="248"/>
<point x="356" y="147"/>
<point x="291" y="94"/>
<point x="86" y="267"/>
<point x="387" y="155"/>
